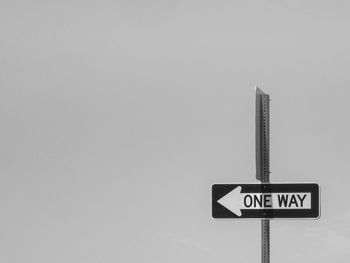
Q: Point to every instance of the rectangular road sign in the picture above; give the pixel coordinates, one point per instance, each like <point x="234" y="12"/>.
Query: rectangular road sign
<point x="292" y="200"/>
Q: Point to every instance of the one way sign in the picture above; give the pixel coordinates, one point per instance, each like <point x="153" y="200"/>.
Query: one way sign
<point x="265" y="200"/>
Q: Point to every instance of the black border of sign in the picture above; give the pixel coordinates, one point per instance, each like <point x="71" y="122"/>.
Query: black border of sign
<point x="220" y="190"/>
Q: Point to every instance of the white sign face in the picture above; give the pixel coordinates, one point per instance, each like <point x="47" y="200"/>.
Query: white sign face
<point x="266" y="200"/>
<point x="235" y="201"/>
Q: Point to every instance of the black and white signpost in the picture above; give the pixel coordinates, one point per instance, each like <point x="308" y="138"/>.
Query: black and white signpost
<point x="265" y="200"/>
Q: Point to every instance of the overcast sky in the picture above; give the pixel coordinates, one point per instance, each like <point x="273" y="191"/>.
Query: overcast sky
<point x="117" y="116"/>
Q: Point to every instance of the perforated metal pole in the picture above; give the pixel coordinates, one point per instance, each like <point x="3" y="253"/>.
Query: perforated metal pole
<point x="262" y="158"/>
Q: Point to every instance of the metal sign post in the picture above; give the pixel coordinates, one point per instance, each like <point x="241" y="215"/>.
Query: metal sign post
<point x="262" y="160"/>
<point x="265" y="200"/>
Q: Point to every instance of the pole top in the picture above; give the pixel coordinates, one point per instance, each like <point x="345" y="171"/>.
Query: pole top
<point x="258" y="91"/>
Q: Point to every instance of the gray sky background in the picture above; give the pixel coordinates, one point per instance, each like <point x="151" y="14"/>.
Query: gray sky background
<point x="117" y="116"/>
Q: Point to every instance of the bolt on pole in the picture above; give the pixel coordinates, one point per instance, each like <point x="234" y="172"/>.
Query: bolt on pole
<point x="262" y="160"/>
